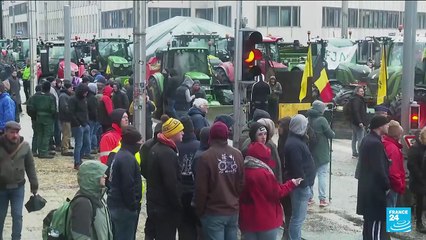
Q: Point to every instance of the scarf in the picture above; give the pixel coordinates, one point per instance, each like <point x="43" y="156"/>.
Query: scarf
<point x="251" y="162"/>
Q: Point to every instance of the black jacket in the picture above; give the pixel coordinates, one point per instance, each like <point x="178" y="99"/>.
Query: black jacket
<point x="172" y="84"/>
<point x="373" y="179"/>
<point x="120" y="100"/>
<point x="417" y="167"/>
<point x="78" y="107"/>
<point x="164" y="189"/>
<point x="92" y="106"/>
<point x="187" y="149"/>
<point x="299" y="162"/>
<point x="125" y="182"/>
<point x="260" y="92"/>
<point x="181" y="104"/>
<point x="359" y="110"/>
<point x="64" y="110"/>
<point x="144" y="153"/>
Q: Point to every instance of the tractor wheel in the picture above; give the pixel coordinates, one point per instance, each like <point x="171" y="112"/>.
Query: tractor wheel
<point x="222" y="77"/>
<point x="155" y="95"/>
<point x="395" y="110"/>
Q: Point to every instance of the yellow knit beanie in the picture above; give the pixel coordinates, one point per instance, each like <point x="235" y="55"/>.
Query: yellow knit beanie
<point x="171" y="127"/>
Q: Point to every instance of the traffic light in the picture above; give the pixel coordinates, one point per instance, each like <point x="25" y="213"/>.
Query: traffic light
<point x="251" y="55"/>
<point x="414" y="115"/>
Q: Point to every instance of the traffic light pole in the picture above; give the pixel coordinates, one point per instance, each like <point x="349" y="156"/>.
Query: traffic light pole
<point x="237" y="76"/>
<point x="410" y="25"/>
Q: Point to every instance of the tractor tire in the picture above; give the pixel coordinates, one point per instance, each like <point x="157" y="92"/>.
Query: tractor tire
<point x="222" y="77"/>
<point x="156" y="96"/>
<point x="395" y="110"/>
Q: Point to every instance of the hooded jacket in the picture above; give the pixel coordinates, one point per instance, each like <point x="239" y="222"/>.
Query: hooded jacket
<point x="358" y="110"/>
<point x="78" y="106"/>
<point x="12" y="171"/>
<point x="321" y="150"/>
<point x="204" y="145"/>
<point x="7" y="109"/>
<point x="164" y="190"/>
<point x="145" y="150"/>
<point x="260" y="207"/>
<point x="257" y="114"/>
<point x="183" y="95"/>
<point x="111" y="138"/>
<point x="417" y="166"/>
<point x="92" y="102"/>
<point x="64" y="109"/>
<point x="198" y="120"/>
<point x="125" y="181"/>
<point x="120" y="99"/>
<point x="43" y="107"/>
<point x="81" y="209"/>
<point x="105" y="107"/>
<point x="396" y="169"/>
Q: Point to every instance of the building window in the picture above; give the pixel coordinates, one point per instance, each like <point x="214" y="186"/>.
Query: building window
<point x="19" y="9"/>
<point x="156" y="15"/>
<point x="225" y="16"/>
<point x="276" y="16"/>
<point x="331" y="17"/>
<point x="204" y="13"/>
<point x="353" y="18"/>
<point x="122" y="18"/>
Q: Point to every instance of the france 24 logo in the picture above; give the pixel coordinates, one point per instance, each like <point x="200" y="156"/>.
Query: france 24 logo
<point x="398" y="219"/>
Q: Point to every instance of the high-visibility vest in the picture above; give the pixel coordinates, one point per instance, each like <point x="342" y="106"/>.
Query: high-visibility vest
<point x="138" y="159"/>
<point x="26" y="74"/>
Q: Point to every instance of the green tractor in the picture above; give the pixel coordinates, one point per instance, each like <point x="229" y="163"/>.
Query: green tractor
<point x="189" y="62"/>
<point x="112" y="55"/>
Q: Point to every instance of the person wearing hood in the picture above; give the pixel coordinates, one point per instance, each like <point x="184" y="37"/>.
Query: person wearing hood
<point x="260" y="93"/>
<point x="417" y="168"/>
<point x="88" y="215"/>
<point x="198" y="115"/>
<point x="17" y="160"/>
<point x="172" y="82"/>
<point x="262" y="131"/>
<point x="164" y="192"/>
<point x="105" y="108"/>
<point x="183" y="97"/>
<point x="111" y="138"/>
<point x="80" y="123"/>
<point x="299" y="164"/>
<point x="197" y="91"/>
<point x="273" y="101"/>
<point x="119" y="99"/>
<point x="229" y="122"/>
<point x="257" y="114"/>
<point x="187" y="149"/>
<point x="218" y="184"/>
<point x="125" y="192"/>
<point x="65" y="117"/>
<point x="93" y="106"/>
<point x="261" y="214"/>
<point x="204" y="145"/>
<point x="396" y="170"/>
<point x="321" y="148"/>
<point x="7" y="108"/>
<point x="15" y="91"/>
<point x="44" y="108"/>
<point x="373" y="181"/>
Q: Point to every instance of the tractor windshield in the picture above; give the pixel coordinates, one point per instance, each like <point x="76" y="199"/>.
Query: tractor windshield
<point x="56" y="52"/>
<point x="396" y="59"/>
<point x="269" y="49"/>
<point x="113" y="48"/>
<point x="191" y="60"/>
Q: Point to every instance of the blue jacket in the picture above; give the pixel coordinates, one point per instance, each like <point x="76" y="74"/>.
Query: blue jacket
<point x="198" y="119"/>
<point x="298" y="160"/>
<point x="7" y="110"/>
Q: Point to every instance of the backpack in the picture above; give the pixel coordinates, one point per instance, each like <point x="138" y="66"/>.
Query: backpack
<point x="312" y="136"/>
<point x="56" y="223"/>
<point x="347" y="110"/>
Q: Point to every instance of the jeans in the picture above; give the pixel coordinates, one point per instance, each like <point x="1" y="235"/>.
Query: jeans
<point x="299" y="209"/>
<point x="82" y="142"/>
<point x="124" y="223"/>
<point x="16" y="198"/>
<point x="94" y="128"/>
<point x="391" y="199"/>
<point x="27" y="86"/>
<point x="265" y="235"/>
<point x="220" y="227"/>
<point x="322" y="172"/>
<point x="357" y="134"/>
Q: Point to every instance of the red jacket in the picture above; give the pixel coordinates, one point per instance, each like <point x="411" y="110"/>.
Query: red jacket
<point x="260" y="207"/>
<point x="109" y="141"/>
<point x="396" y="169"/>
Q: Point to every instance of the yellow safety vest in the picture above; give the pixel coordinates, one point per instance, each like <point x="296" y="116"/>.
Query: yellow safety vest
<point x="138" y="159"/>
<point x="26" y="74"/>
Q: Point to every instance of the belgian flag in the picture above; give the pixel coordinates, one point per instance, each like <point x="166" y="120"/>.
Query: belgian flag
<point x="320" y="80"/>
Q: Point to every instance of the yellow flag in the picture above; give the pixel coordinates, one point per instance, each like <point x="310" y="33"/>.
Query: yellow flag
<point x="383" y="75"/>
<point x="108" y="70"/>
<point x="307" y="72"/>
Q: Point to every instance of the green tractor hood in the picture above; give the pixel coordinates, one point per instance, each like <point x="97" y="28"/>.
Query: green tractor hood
<point x="117" y="60"/>
<point x="393" y="82"/>
<point x="204" y="79"/>
<point x="349" y="73"/>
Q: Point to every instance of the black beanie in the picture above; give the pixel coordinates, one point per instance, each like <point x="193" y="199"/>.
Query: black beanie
<point x="45" y="87"/>
<point x="253" y="130"/>
<point x="228" y="120"/>
<point x="378" y="121"/>
<point x="67" y="84"/>
<point x="116" y="115"/>
<point x="188" y="126"/>
<point x="130" y="135"/>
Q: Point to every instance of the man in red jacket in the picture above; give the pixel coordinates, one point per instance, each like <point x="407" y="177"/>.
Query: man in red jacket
<point x="111" y="139"/>
<point x="396" y="169"/>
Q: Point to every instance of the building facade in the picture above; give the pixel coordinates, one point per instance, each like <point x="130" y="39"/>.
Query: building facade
<point x="288" y="19"/>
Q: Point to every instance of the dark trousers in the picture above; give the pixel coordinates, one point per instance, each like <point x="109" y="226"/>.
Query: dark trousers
<point x="188" y="226"/>
<point x="44" y="134"/>
<point x="286" y="203"/>
<point x="165" y="224"/>
<point x="273" y="109"/>
<point x="15" y="197"/>
<point x="57" y="133"/>
<point x="419" y="207"/>
<point x="34" y="141"/>
<point x="374" y="230"/>
<point x="26" y="89"/>
<point x="124" y="223"/>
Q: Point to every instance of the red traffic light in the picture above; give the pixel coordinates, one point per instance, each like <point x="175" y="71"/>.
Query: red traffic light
<point x="414" y="116"/>
<point x="253" y="55"/>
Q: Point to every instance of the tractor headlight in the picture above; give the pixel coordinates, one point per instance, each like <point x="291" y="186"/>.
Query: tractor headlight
<point x="116" y="65"/>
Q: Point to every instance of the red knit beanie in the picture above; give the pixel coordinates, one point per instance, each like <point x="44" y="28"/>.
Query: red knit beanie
<point x="219" y="131"/>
